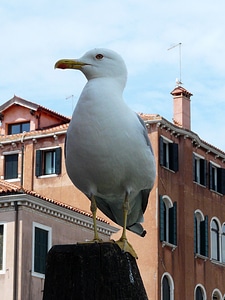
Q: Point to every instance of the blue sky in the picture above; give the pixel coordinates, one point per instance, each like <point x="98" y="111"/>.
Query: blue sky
<point x="35" y="34"/>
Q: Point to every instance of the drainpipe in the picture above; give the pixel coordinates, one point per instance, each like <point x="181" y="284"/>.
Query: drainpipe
<point x="15" y="275"/>
<point x="22" y="159"/>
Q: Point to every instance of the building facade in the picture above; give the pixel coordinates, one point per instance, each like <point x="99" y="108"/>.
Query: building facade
<point x="183" y="254"/>
<point x="29" y="225"/>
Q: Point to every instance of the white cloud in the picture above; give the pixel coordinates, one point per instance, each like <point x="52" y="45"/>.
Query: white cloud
<point x="36" y="34"/>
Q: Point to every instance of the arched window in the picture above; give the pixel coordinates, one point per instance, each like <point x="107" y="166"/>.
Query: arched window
<point x="200" y="293"/>
<point x="223" y="243"/>
<point x="201" y="233"/>
<point x="168" y="220"/>
<point x="167" y="287"/>
<point x="215" y="240"/>
<point x="216" y="295"/>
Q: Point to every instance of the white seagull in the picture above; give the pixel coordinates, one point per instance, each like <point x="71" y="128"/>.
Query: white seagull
<point x="108" y="153"/>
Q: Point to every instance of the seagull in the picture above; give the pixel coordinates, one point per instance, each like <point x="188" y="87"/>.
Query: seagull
<point x="108" y="154"/>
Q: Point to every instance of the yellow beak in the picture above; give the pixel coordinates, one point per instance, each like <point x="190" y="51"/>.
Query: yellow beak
<point x="69" y="64"/>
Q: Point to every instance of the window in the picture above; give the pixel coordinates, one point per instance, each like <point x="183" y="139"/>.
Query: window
<point x="201" y="233"/>
<point x="41" y="245"/>
<point x="18" y="127"/>
<point x="11" y="166"/>
<point x="199" y="169"/>
<point x="48" y="161"/>
<point x="167" y="287"/>
<point x="168" y="220"/>
<point x="200" y="293"/>
<point x="216" y="178"/>
<point x="216" y="295"/>
<point x="168" y="154"/>
<point x="215" y="240"/>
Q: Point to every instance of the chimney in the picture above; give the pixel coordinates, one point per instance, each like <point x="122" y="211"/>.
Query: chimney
<point x="181" y="107"/>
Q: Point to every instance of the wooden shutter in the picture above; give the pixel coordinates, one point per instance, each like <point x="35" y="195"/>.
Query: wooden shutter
<point x="58" y="159"/>
<point x="40" y="250"/>
<point x="204" y="237"/>
<point x="173" y="156"/>
<point x="173" y="224"/>
<point x="221" y="180"/>
<point x="161" y="156"/>
<point x="195" y="235"/>
<point x="194" y="168"/>
<point x="210" y="177"/>
<point x="161" y="219"/>
<point x="38" y="165"/>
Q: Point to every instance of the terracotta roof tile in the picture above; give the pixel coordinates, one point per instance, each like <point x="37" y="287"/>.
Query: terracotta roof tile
<point x="10" y="188"/>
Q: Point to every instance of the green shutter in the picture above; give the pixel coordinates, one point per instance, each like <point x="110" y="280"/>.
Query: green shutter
<point x="222" y="181"/>
<point x="195" y="235"/>
<point x="204" y="237"/>
<point x="194" y="168"/>
<point x="58" y="156"/>
<point x="210" y="176"/>
<point x="173" y="156"/>
<point x="161" y="162"/>
<point x="40" y="250"/>
<point x="38" y="165"/>
<point x="161" y="219"/>
<point x="173" y="224"/>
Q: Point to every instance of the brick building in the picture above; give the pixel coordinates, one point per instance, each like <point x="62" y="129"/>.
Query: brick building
<point x="183" y="254"/>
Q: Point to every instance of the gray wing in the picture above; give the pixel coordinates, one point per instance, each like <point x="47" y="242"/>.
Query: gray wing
<point x="145" y="132"/>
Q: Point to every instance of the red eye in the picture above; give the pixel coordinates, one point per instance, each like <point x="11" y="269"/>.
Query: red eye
<point x="99" y="56"/>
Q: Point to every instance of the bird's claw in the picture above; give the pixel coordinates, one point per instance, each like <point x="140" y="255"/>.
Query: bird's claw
<point x="125" y="246"/>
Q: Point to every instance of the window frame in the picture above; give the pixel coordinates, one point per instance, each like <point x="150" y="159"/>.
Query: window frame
<point x="218" y="238"/>
<point x="20" y="124"/>
<point x="168" y="220"/>
<point x="218" y="294"/>
<point x="7" y="154"/>
<point x="201" y="287"/>
<point x="3" y="270"/>
<point x="171" y="285"/>
<point x="168" y="154"/>
<point x="49" y="230"/>
<point x="199" y="169"/>
<point x="40" y="161"/>
<point x="216" y="178"/>
<point x="200" y="234"/>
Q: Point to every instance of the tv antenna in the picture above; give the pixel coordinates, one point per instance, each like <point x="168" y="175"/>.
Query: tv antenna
<point x="71" y="97"/>
<point x="178" y="80"/>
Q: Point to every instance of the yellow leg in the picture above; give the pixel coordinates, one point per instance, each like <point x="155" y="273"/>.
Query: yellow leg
<point x="94" y="211"/>
<point x="122" y="242"/>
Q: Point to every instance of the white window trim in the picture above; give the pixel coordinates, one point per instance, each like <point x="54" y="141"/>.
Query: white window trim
<point x="4" y="248"/>
<point x="168" y="203"/>
<point x="218" y="293"/>
<point x="171" y="285"/>
<point x="44" y="227"/>
<point x="203" y="289"/>
<point x="220" y="240"/>
<point x="202" y="218"/>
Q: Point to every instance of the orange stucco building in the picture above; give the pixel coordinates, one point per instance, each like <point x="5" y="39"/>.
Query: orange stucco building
<point x="183" y="254"/>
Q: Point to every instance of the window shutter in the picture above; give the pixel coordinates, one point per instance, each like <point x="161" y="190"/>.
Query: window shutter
<point x="173" y="224"/>
<point x="194" y="168"/>
<point x="58" y="155"/>
<point x="161" y="219"/>
<point x="206" y="237"/>
<point x="161" y="162"/>
<point x="40" y="250"/>
<point x="195" y="235"/>
<point x="210" y="176"/>
<point x="173" y="156"/>
<point x="205" y="172"/>
<point x="222" y="180"/>
<point x="38" y="167"/>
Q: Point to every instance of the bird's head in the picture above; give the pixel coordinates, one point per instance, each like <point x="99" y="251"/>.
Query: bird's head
<point x="97" y="63"/>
